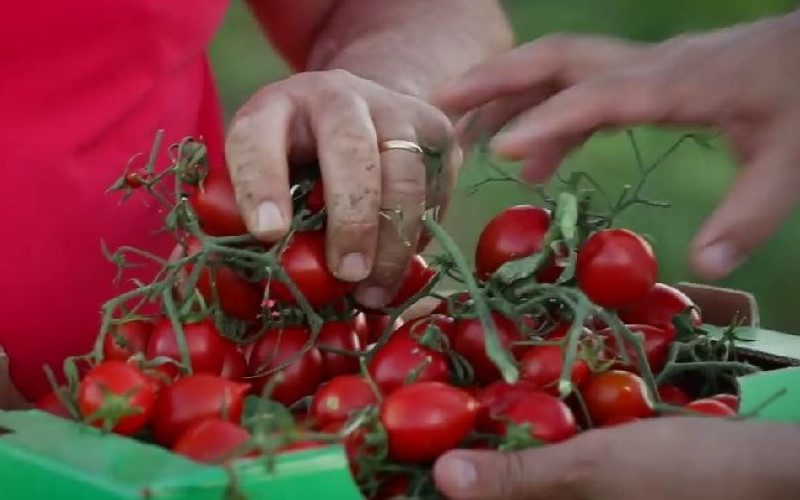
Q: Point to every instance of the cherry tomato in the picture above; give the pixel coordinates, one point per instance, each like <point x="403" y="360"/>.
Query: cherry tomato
<point x="417" y="275"/>
<point x="417" y="328"/>
<point x="550" y="419"/>
<point x="616" y="268"/>
<point x="672" y="395"/>
<point x="210" y="441"/>
<point x="426" y="419"/>
<point x="195" y="398"/>
<point x="469" y="340"/>
<point x="277" y="347"/>
<point x="361" y="326"/>
<point x="542" y="366"/>
<point x="712" y="407"/>
<point x="451" y="305"/>
<point x="50" y="403"/>
<point x="495" y="398"/>
<point x="402" y="357"/>
<point x="616" y="394"/>
<point x="340" y="335"/>
<point x="303" y="259"/>
<point x="315" y="201"/>
<point x="116" y="387"/>
<point x="658" y="307"/>
<point x="339" y="398"/>
<point x="234" y="364"/>
<point x="135" y="180"/>
<point x="206" y="347"/>
<point x="655" y="341"/>
<point x="126" y="339"/>
<point x="729" y="400"/>
<point x="214" y="202"/>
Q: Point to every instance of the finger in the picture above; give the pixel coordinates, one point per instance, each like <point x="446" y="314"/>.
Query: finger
<point x="440" y="201"/>
<point x="256" y="151"/>
<point x="761" y="198"/>
<point x="351" y="174"/>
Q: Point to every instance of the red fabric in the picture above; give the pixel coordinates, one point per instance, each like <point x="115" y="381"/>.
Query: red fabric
<point x="85" y="85"/>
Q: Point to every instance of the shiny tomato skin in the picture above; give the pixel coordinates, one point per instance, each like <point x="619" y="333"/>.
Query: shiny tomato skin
<point x="426" y="419"/>
<point x="49" y="403"/>
<point x="656" y="344"/>
<point x="234" y="364"/>
<point x="195" y="398"/>
<point x="469" y="341"/>
<point x="495" y="398"/>
<point x="672" y="395"/>
<point x="616" y="394"/>
<point x="417" y="275"/>
<point x="275" y="348"/>
<point x="373" y="326"/>
<point x="210" y="441"/>
<point x="729" y="400"/>
<point x="214" y="202"/>
<point x="392" y="364"/>
<point x="339" y="398"/>
<point x="206" y="346"/>
<point x="117" y="379"/>
<point x="711" y="407"/>
<point x="659" y="307"/>
<point x="126" y="339"/>
<point x="550" y="419"/>
<point x="417" y="328"/>
<point x="340" y="335"/>
<point x="303" y="259"/>
<point x="616" y="268"/>
<point x="361" y="326"/>
<point x="542" y="365"/>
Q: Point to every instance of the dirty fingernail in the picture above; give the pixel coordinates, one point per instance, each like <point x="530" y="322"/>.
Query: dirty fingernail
<point x="353" y="267"/>
<point x="269" y="218"/>
<point x="373" y="297"/>
<point x="718" y="259"/>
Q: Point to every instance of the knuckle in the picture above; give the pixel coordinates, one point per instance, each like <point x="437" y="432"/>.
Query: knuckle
<point x="404" y="188"/>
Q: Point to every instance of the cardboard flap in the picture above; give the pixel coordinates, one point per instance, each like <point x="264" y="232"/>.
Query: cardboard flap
<point x="721" y="306"/>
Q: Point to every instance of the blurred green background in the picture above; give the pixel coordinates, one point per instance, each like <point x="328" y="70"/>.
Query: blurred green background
<point x="693" y="179"/>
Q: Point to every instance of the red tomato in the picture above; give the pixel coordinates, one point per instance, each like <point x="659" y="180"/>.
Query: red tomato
<point x="315" y="201"/>
<point x="550" y="419"/>
<point x="417" y="275"/>
<point x="542" y="366"/>
<point x="658" y="307"/>
<point x="469" y="340"/>
<point x="126" y="339"/>
<point x="426" y="419"/>
<point x="616" y="268"/>
<point x="495" y="398"/>
<point x="417" y="328"/>
<point x="303" y="259"/>
<point x="206" y="347"/>
<point x="656" y="343"/>
<point x="210" y="441"/>
<point x="339" y="398"/>
<point x="214" y="202"/>
<point x="616" y="394"/>
<point x="671" y="395"/>
<point x="446" y="306"/>
<point x="113" y="386"/>
<point x="340" y="335"/>
<point x="277" y="347"/>
<point x="399" y="358"/>
<point x="375" y="325"/>
<point x="729" y="400"/>
<point x="361" y="326"/>
<point x="234" y="364"/>
<point x="52" y="405"/>
<point x="195" y="398"/>
<point x="135" y="180"/>
<point x="514" y="233"/>
<point x="712" y="407"/>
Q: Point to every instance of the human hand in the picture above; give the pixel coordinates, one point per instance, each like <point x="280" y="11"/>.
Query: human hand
<point x="341" y="120"/>
<point x="665" y="459"/>
<point x="744" y="80"/>
<point x="10" y="398"/>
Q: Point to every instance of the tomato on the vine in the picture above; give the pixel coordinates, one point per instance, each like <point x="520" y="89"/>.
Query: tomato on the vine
<point x="729" y="400"/>
<point x="126" y="339"/>
<point x="673" y="395"/>
<point x="339" y="398"/>
<point x="341" y="336"/>
<point x="711" y="407"/>
<point x="214" y="202"/>
<point x="234" y="364"/>
<point x="656" y="343"/>
<point x="616" y="394"/>
<point x="451" y="305"/>
<point x="469" y="340"/>
<point x="426" y="419"/>
<point x="210" y="441"/>
<point x="205" y="345"/>
<point x="416" y="277"/>
<point x="496" y="397"/>
<point x="403" y="357"/>
<point x="542" y="366"/>
<point x="616" y="268"/>
<point x="659" y="307"/>
<point x="417" y="328"/>
<point x="137" y="179"/>
<point x="549" y="418"/>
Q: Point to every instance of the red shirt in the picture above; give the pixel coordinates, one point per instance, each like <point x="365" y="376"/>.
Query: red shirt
<point x="85" y="85"/>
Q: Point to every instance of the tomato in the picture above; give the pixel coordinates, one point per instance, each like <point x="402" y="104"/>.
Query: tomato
<point x="659" y="306"/>
<point x="50" y="403"/>
<point x="616" y="394"/>
<point x="303" y="259"/>
<point x="616" y="268"/>
<point x="514" y="233"/>
<point x="672" y="395"/>
<point x="121" y="391"/>
<point x="426" y="419"/>
<point x="361" y="326"/>
<point x="315" y="201"/>
<point x="377" y="324"/>
<point x="417" y="328"/>
<point x="214" y="202"/>
<point x="210" y="441"/>
<point x="655" y="341"/>
<point x="712" y="407"/>
<point x="277" y="347"/>
<point x="340" y="335"/>
<point x="402" y="357"/>
<point x="542" y="366"/>
<point x="451" y="305"/>
<point x="234" y="364"/>
<point x="469" y="341"/>
<point x="729" y="400"/>
<point x="206" y="347"/>
<point x="307" y="444"/>
<point x="137" y="179"/>
<point x="495" y="398"/>
<point x="195" y="398"/>
<point x="126" y="339"/>
<point x="416" y="277"/>
<point x="550" y="419"/>
<point x="339" y="398"/>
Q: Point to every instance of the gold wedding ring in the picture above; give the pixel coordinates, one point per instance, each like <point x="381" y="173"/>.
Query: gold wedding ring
<point x="411" y="147"/>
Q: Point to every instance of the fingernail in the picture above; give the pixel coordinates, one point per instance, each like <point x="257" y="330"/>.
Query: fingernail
<point x="269" y="218"/>
<point x="461" y="473"/>
<point x="718" y="259"/>
<point x="373" y="297"/>
<point x="353" y="267"/>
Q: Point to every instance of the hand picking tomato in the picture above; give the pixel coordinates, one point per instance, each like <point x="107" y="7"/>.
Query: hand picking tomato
<point x="403" y="357"/>
<point x="278" y="347"/>
<point x="711" y="407"/>
<point x="549" y="418"/>
<point x="495" y="398"/>
<point x="616" y="268"/>
<point x="210" y="441"/>
<point x="417" y="275"/>
<point x="616" y="394"/>
<point x="206" y="347"/>
<point x="214" y="202"/>
<point x="339" y="398"/>
<point x="193" y="399"/>
<point x="728" y="399"/>
<point x="672" y="395"/>
<point x="50" y="403"/>
<point x="656" y="342"/>
<point x="126" y="339"/>
<point x="659" y="307"/>
<point x="342" y="336"/>
<point x="117" y="396"/>
<point x="426" y="419"/>
<point x="469" y="340"/>
<point x="542" y="366"/>
<point x="303" y="259"/>
<point x="234" y="364"/>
